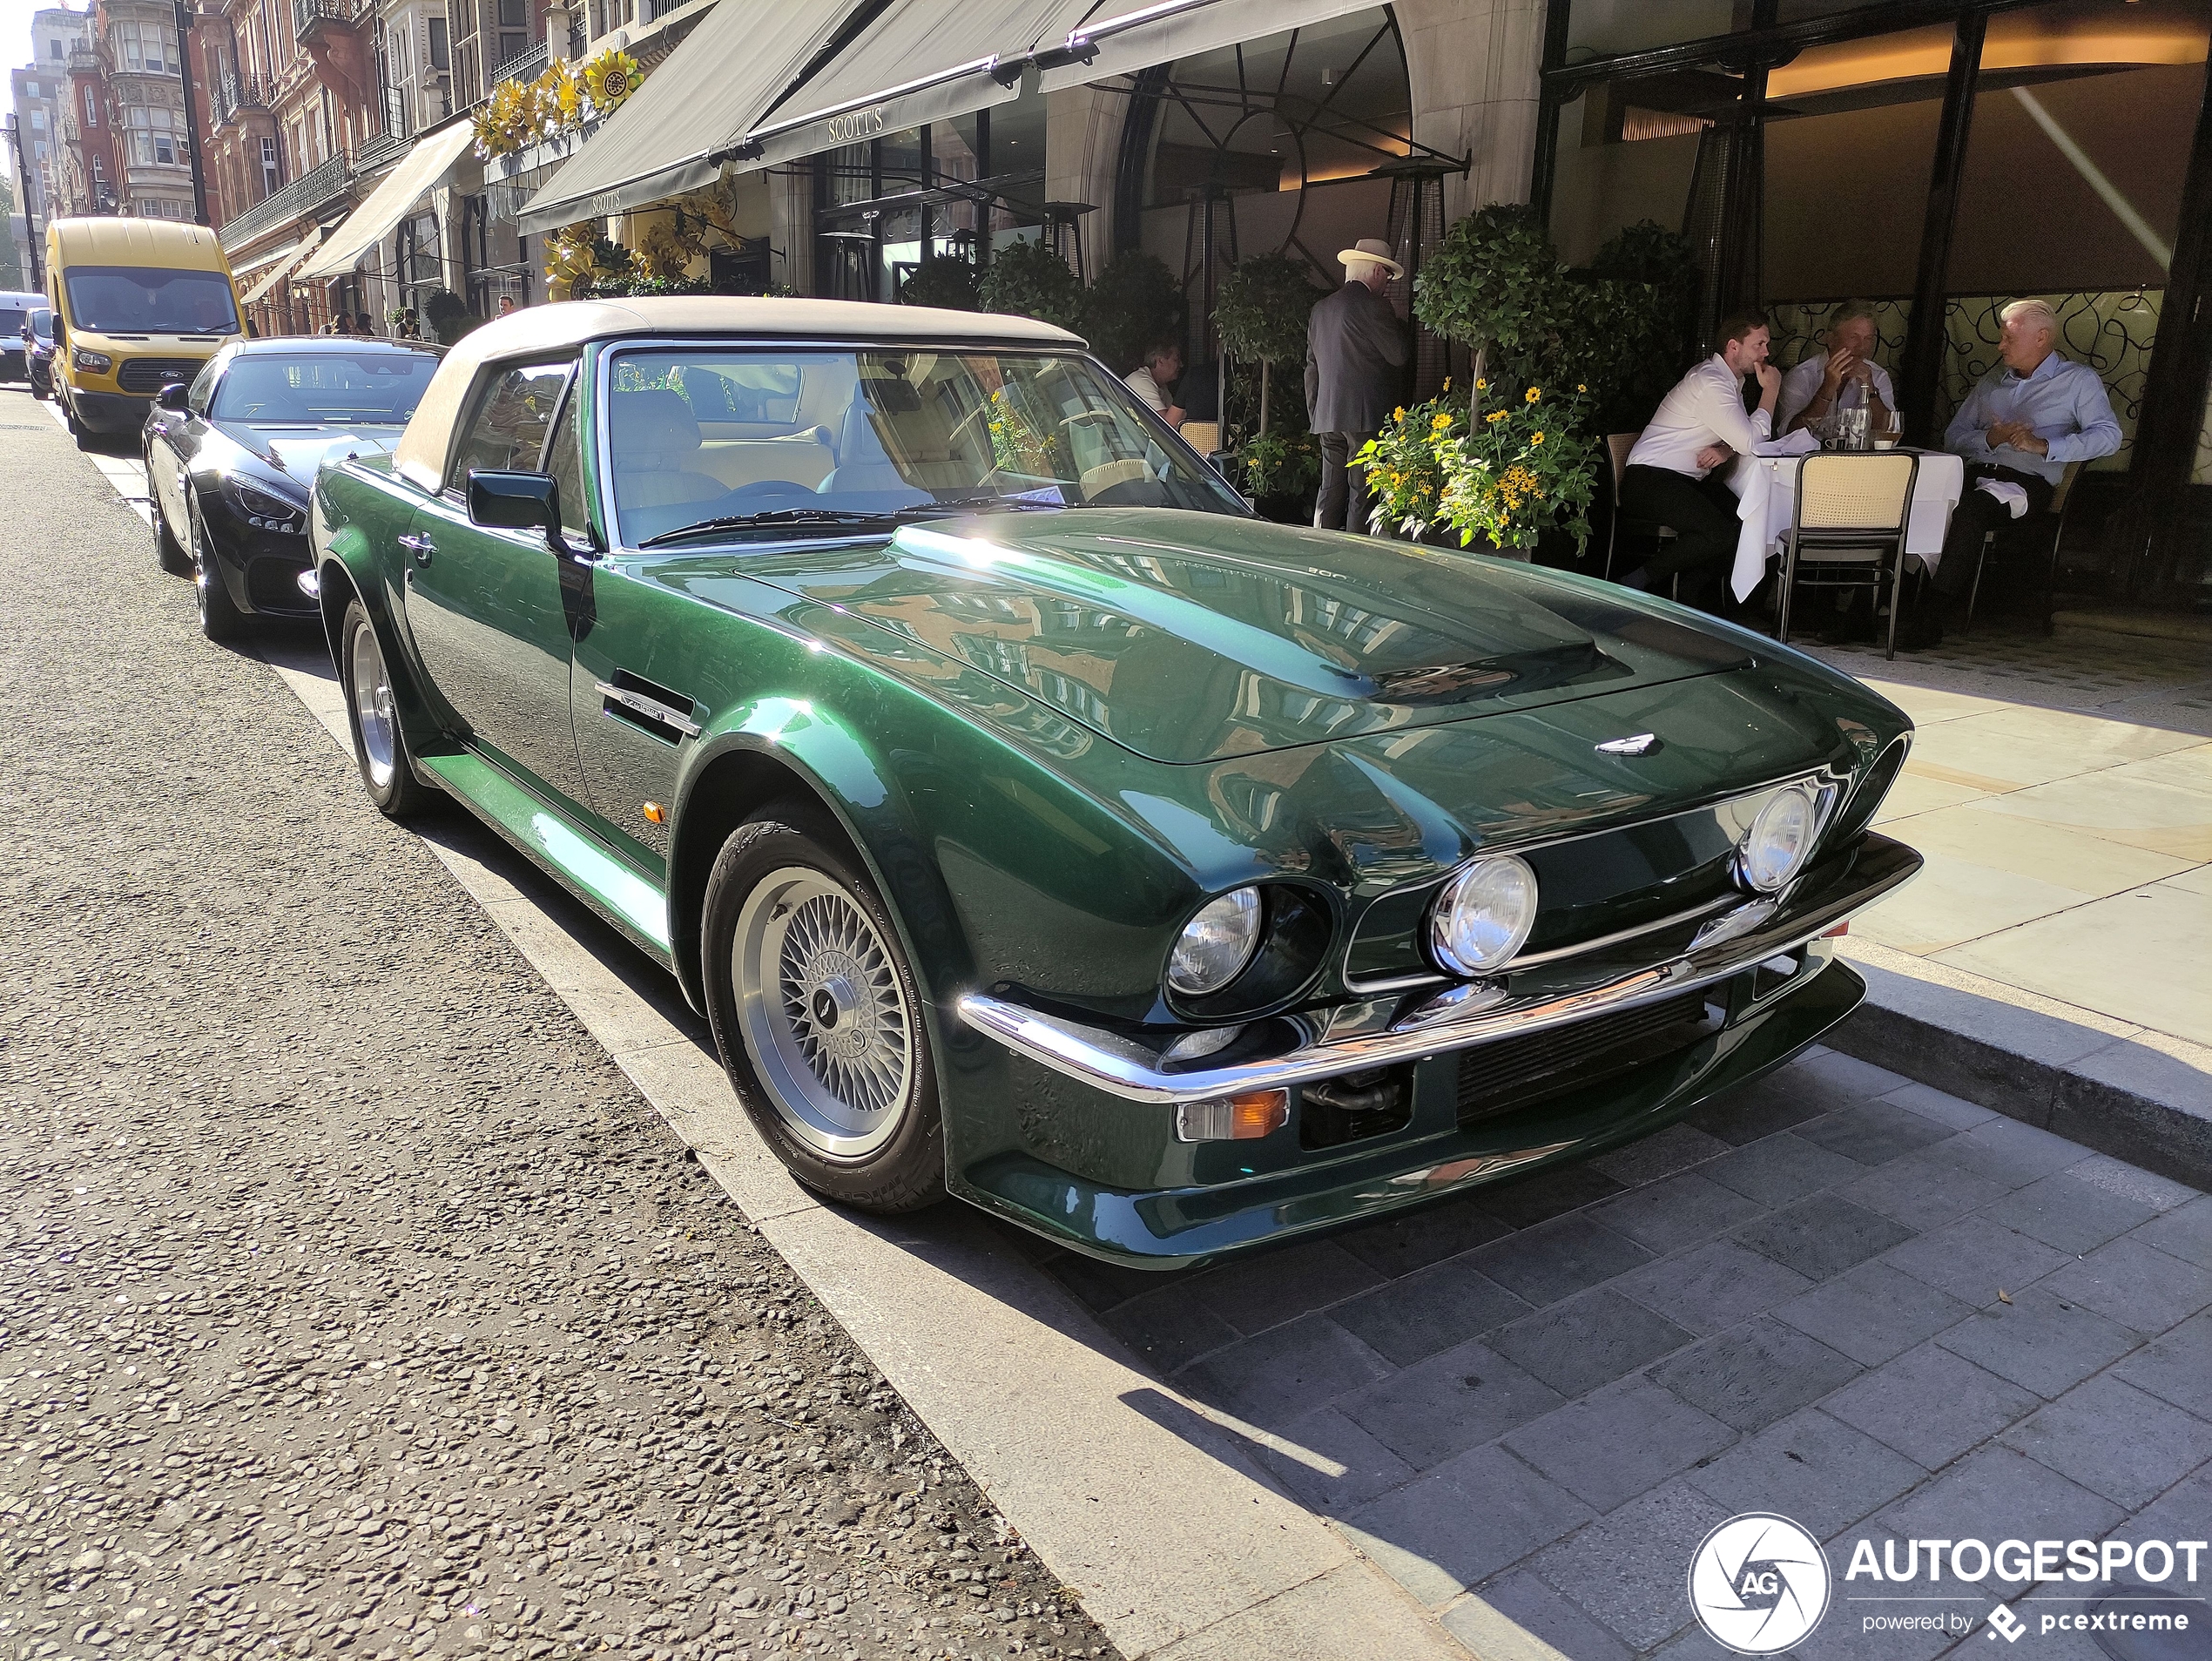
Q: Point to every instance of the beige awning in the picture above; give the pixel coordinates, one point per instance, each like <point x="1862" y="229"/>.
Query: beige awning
<point x="261" y="261"/>
<point x="919" y="61"/>
<point x="1128" y="37"/>
<point x="420" y="170"/>
<point x="675" y="131"/>
<point x="286" y="262"/>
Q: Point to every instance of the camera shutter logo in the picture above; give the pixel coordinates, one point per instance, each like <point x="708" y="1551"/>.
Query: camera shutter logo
<point x="1759" y="1583"/>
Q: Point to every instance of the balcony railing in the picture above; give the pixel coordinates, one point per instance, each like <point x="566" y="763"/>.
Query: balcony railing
<point x="232" y="95"/>
<point x="309" y="15"/>
<point x="303" y="195"/>
<point x="527" y="66"/>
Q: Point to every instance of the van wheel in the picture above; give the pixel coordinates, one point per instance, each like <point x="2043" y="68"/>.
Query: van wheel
<point x="77" y="429"/>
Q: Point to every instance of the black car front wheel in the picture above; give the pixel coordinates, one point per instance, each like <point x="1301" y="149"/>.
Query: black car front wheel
<point x="220" y="618"/>
<point x="168" y="552"/>
<point x="373" y="717"/>
<point x="819" y="1017"/>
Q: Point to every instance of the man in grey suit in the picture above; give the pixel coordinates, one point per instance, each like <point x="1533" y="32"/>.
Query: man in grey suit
<point x="1354" y="349"/>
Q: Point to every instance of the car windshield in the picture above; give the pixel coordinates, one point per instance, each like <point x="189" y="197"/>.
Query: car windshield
<point x="313" y="388"/>
<point x="42" y="325"/>
<point x="721" y="439"/>
<point x="146" y="300"/>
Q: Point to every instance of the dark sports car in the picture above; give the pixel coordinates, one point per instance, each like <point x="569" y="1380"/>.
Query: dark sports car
<point x="231" y="459"/>
<point x="38" y="351"/>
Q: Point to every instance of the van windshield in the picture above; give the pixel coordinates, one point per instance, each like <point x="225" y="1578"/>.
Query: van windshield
<point x="146" y="300"/>
<point x="11" y="321"/>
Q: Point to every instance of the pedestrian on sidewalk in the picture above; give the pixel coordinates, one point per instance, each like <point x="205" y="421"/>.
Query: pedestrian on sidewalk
<point x="1355" y="348"/>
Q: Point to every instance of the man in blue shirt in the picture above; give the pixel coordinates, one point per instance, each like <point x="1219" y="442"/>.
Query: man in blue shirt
<point x="2017" y="430"/>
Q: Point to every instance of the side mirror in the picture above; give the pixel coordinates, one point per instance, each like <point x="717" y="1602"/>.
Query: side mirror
<point x="174" y="395"/>
<point x="514" y="502"/>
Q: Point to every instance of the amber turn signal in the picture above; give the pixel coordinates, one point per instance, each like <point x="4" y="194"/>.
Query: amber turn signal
<point x="656" y="814"/>
<point x="1838" y="931"/>
<point x="1244" y="1117"/>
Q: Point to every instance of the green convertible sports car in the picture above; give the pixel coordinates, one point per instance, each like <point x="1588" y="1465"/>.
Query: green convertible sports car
<point x="1034" y="824"/>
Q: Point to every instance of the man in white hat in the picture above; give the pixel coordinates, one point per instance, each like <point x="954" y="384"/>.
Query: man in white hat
<point x="1354" y="349"/>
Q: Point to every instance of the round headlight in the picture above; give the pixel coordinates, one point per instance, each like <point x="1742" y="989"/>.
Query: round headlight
<point x="1774" y="849"/>
<point x="1483" y="915"/>
<point x="1216" y="944"/>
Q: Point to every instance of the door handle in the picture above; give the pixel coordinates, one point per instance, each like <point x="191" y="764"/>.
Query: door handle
<point x="420" y="547"/>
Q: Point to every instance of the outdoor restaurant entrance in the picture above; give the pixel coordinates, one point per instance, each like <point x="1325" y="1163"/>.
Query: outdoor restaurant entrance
<point x="2064" y="147"/>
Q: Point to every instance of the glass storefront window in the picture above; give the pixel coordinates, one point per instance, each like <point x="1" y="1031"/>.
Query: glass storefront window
<point x="2083" y="117"/>
<point x="1628" y="152"/>
<point x="1319" y="104"/>
<point x="1606" y="27"/>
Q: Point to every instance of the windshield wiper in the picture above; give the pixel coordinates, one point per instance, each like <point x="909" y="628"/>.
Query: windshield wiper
<point x="1012" y="503"/>
<point x="777" y="516"/>
<point x="845" y="516"/>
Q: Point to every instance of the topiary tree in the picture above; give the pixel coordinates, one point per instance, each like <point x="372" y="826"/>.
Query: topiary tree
<point x="448" y="315"/>
<point x="1133" y="301"/>
<point x="1637" y="303"/>
<point x="943" y="282"/>
<point x="1029" y="280"/>
<point x="1260" y="311"/>
<point x="1495" y="284"/>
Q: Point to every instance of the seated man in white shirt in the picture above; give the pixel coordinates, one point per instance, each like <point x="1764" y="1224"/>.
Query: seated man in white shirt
<point x="1677" y="475"/>
<point x="1162" y="368"/>
<point x="1809" y="391"/>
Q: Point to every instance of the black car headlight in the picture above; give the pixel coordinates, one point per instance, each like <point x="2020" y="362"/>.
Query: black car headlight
<point x="263" y="510"/>
<point x="91" y="362"/>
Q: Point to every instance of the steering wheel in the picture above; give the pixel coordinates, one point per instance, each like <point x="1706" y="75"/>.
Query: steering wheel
<point x="763" y="495"/>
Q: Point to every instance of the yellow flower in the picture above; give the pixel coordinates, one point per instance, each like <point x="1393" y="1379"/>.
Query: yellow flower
<point x="1534" y="395"/>
<point x="1538" y="439"/>
<point x="1579" y="386"/>
<point x="1482" y="386"/>
<point x="1399" y="413"/>
<point x="1496" y="414"/>
<point x="1447" y="383"/>
<point x="1442" y="422"/>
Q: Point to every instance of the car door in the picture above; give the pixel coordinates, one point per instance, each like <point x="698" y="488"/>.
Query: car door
<point x="173" y="439"/>
<point x="630" y="727"/>
<point x="485" y="605"/>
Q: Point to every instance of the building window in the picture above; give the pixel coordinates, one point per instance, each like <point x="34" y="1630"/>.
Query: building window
<point x="91" y="108"/>
<point x="441" y="56"/>
<point x="269" y="169"/>
<point x="30" y="89"/>
<point x="153" y="138"/>
<point x="56" y="45"/>
<point x="144" y="48"/>
<point x="39" y="121"/>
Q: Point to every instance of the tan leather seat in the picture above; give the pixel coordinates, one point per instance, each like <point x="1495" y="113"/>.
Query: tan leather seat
<point x="656" y="445"/>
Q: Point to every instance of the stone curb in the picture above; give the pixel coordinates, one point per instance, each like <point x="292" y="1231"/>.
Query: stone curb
<point x="2137" y="1095"/>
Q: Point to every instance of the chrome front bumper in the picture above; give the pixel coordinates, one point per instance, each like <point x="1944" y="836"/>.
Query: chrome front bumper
<point x="1375" y="1032"/>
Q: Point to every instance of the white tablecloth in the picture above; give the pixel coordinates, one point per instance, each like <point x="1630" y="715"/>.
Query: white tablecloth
<point x="1766" y="487"/>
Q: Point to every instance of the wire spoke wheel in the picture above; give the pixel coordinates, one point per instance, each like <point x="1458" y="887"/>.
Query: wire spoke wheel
<point x="823" y="1014"/>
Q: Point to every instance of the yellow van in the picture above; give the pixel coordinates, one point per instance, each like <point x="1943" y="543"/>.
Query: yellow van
<point x="137" y="303"/>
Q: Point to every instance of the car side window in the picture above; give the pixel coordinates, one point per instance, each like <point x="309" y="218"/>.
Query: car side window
<point x="564" y="461"/>
<point x="506" y="434"/>
<point x="203" y="385"/>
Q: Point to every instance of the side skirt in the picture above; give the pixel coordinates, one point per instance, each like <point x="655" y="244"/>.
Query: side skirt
<point x="621" y="896"/>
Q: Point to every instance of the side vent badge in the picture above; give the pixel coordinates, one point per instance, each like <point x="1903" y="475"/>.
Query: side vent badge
<point x="1640" y="743"/>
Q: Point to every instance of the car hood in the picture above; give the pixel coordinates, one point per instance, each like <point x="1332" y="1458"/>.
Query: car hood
<point x="1189" y="637"/>
<point x="298" y="450"/>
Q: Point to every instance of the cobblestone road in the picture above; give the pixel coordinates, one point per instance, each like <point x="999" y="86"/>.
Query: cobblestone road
<point x="351" y="1301"/>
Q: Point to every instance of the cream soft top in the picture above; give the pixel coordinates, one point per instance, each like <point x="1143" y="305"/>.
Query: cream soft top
<point x="424" y="448"/>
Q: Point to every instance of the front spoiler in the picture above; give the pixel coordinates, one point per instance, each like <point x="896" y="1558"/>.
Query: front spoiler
<point x="1292" y="1049"/>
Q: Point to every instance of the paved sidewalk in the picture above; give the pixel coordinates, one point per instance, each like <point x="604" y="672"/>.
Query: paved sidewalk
<point x="2062" y="792"/>
<point x="1836" y="1294"/>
